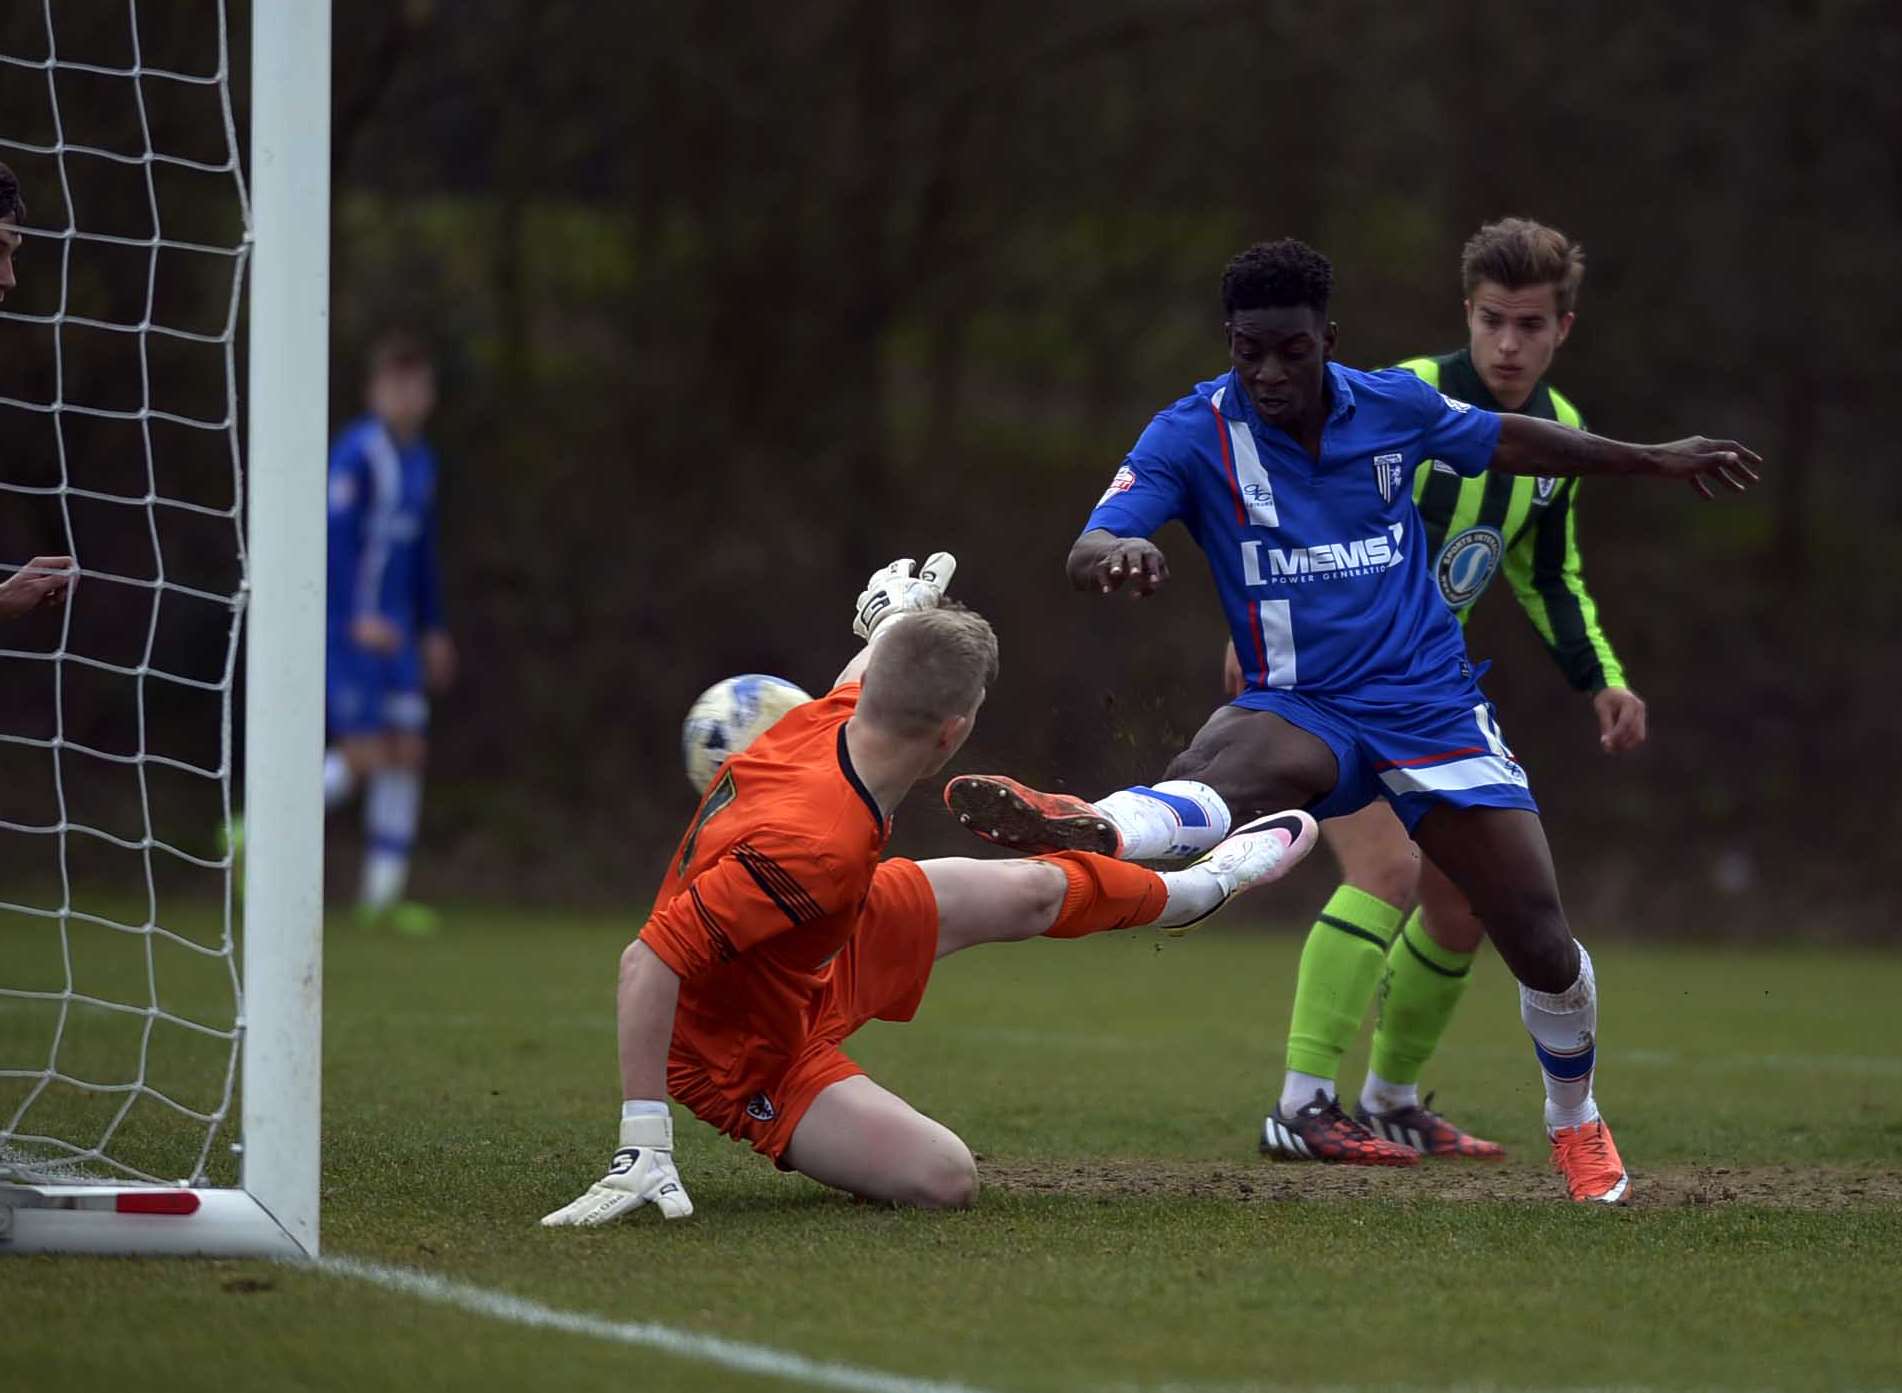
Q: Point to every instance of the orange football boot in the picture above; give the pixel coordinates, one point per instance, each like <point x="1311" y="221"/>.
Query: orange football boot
<point x="1588" y="1159"/>
<point x="1015" y="815"/>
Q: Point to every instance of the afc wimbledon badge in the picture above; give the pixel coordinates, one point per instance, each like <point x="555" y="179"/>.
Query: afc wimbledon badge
<point x="1388" y="474"/>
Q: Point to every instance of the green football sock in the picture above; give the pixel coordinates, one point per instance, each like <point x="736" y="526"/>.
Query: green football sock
<point x="1423" y="985"/>
<point x="1339" y="968"/>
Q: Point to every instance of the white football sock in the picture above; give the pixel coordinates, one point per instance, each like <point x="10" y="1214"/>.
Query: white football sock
<point x="1298" y="1090"/>
<point x="339" y="781"/>
<point x="1564" y="1030"/>
<point x="1384" y="1095"/>
<point x="391" y="809"/>
<point x="642" y="1107"/>
<point x="1174" y="819"/>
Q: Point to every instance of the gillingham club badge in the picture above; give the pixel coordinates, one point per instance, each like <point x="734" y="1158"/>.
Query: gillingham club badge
<point x="1389" y="472"/>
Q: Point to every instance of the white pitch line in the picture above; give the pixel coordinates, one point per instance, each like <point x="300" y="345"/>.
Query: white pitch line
<point x="686" y="1344"/>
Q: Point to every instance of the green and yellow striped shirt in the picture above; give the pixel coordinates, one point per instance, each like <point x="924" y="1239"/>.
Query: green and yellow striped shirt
<point x="1527" y="525"/>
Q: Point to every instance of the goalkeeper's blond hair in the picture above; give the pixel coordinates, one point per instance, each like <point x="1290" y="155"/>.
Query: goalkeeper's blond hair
<point x="933" y="665"/>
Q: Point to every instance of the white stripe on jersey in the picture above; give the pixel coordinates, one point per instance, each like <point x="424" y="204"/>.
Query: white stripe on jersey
<point x="1258" y="494"/>
<point x="1277" y="642"/>
<point x="1482" y="771"/>
<point x="386" y="495"/>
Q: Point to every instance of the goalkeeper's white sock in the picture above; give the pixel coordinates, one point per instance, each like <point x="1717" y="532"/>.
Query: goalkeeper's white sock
<point x="391" y="809"/>
<point x="1564" y="1030"/>
<point x="642" y="1107"/>
<point x="1174" y="819"/>
<point x="339" y="781"/>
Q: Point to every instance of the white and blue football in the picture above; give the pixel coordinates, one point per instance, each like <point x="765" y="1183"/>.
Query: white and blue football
<point x="729" y="716"/>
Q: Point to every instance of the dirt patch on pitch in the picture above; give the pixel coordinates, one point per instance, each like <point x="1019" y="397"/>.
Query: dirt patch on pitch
<point x="1660" y="1187"/>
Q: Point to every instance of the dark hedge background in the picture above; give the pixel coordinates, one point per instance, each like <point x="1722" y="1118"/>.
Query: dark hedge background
<point x="736" y="302"/>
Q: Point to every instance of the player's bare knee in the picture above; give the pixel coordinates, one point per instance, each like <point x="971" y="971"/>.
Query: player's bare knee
<point x="1396" y="880"/>
<point x="1536" y="943"/>
<point x="1192" y="763"/>
<point x="947" y="1181"/>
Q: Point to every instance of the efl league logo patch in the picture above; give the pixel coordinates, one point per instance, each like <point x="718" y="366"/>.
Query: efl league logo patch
<point x="760" y="1108"/>
<point x="1543" y="489"/>
<point x="1388" y="472"/>
<point x="1124" y="481"/>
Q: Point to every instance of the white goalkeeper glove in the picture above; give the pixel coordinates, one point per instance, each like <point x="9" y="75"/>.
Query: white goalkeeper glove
<point x="895" y="590"/>
<point x="642" y="1173"/>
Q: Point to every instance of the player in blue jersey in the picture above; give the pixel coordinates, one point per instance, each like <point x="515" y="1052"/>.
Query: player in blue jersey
<point x="386" y="641"/>
<point x="1294" y="476"/>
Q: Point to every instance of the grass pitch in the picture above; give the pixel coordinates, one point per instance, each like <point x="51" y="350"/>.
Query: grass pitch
<point x="1127" y="1238"/>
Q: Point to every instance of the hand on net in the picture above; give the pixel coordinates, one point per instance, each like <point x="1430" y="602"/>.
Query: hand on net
<point x="894" y="589"/>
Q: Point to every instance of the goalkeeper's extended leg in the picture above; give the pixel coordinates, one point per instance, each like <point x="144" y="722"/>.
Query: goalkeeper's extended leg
<point x="1073" y="894"/>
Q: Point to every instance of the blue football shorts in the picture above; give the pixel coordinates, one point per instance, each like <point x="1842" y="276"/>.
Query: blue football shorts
<point x="1443" y="746"/>
<point x="368" y="693"/>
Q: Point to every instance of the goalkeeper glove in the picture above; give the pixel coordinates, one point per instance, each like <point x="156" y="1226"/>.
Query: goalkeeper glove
<point x="895" y="590"/>
<point x="642" y="1173"/>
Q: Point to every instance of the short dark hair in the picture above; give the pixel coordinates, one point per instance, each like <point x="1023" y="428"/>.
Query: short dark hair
<point x="1518" y="253"/>
<point x="399" y="350"/>
<point x="1277" y="275"/>
<point x="933" y="665"/>
<point x="11" y="204"/>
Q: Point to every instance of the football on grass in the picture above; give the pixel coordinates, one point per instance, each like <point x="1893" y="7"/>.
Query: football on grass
<point x="729" y="716"/>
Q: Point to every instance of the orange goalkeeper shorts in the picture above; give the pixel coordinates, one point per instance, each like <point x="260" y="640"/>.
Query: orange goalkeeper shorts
<point x="880" y="974"/>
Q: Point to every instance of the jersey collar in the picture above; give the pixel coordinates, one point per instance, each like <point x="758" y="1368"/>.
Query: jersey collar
<point x="1460" y="378"/>
<point x="858" y="784"/>
<point x="1237" y="405"/>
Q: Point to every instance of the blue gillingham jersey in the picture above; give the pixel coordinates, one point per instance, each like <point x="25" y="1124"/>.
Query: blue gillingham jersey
<point x="1321" y="564"/>
<point x="382" y="531"/>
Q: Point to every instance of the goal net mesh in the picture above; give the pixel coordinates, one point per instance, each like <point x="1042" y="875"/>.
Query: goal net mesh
<point x="120" y="1003"/>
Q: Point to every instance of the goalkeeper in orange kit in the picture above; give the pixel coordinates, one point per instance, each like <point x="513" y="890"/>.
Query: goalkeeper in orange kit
<point x="779" y="930"/>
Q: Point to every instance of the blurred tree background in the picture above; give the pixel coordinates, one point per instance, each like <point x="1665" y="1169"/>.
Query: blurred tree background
<point x="736" y="302"/>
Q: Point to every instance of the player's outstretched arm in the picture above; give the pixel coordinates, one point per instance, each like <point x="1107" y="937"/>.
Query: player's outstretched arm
<point x="1528" y="445"/>
<point x="1102" y="561"/>
<point x="893" y="590"/>
<point x="642" y="1171"/>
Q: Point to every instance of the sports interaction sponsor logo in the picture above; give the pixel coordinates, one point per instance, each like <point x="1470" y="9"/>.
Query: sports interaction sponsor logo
<point x="1365" y="556"/>
<point x="1467" y="564"/>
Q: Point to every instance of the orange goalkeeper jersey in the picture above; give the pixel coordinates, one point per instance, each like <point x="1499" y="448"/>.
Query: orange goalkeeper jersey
<point x="765" y="889"/>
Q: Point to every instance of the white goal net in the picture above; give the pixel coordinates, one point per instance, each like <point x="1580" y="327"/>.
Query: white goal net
<point x="122" y="1001"/>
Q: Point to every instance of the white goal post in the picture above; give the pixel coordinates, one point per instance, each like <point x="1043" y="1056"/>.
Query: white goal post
<point x="86" y="1198"/>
